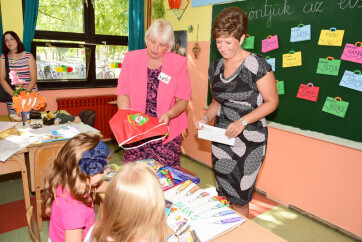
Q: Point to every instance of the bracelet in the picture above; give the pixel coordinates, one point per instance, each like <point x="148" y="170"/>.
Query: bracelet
<point x="206" y="119"/>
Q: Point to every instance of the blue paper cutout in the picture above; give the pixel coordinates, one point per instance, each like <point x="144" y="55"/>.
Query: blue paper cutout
<point x="352" y="80"/>
<point x="300" y="33"/>
<point x="271" y="62"/>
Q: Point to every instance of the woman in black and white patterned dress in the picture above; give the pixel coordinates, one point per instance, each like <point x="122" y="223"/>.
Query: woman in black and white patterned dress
<point x="244" y="92"/>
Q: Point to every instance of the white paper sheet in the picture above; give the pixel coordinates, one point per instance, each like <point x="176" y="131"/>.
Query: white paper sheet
<point x="215" y="134"/>
<point x="6" y="125"/>
<point x="13" y="143"/>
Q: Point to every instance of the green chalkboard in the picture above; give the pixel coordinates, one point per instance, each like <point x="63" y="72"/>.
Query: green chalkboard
<point x="277" y="17"/>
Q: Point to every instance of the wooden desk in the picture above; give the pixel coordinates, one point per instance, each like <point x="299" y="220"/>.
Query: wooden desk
<point x="16" y="162"/>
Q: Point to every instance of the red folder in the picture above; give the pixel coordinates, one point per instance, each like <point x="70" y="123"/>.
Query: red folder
<point x="129" y="127"/>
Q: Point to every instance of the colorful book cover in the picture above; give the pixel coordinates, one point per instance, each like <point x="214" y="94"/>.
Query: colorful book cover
<point x="180" y="176"/>
<point x="165" y="178"/>
<point x="205" y="214"/>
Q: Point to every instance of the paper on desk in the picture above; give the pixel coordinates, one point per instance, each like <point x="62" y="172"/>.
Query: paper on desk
<point x="215" y="134"/>
<point x="6" y="125"/>
<point x="13" y="143"/>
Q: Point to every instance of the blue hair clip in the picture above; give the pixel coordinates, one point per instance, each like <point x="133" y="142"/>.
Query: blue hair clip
<point x="94" y="161"/>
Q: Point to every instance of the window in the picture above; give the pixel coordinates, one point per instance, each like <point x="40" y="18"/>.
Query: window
<point x="80" y="43"/>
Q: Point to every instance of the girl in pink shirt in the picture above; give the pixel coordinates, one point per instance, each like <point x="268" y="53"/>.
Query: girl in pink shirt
<point x="75" y="173"/>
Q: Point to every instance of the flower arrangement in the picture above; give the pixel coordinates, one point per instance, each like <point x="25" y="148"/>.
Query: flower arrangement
<point x="25" y="101"/>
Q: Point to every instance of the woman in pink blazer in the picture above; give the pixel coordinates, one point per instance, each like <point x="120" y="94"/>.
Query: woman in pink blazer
<point x="155" y="81"/>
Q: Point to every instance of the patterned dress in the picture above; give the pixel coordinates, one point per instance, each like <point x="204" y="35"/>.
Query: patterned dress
<point x="21" y="66"/>
<point x="236" y="167"/>
<point x="167" y="154"/>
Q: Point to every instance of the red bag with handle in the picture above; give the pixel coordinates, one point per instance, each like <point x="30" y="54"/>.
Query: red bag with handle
<point x="133" y="129"/>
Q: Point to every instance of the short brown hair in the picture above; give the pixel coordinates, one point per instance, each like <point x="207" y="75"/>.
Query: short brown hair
<point x="231" y="22"/>
<point x="20" y="47"/>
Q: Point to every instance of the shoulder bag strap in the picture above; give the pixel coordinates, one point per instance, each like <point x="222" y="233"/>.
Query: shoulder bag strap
<point x="7" y="70"/>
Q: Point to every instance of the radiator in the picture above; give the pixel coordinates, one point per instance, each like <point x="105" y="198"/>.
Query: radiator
<point x="104" y="111"/>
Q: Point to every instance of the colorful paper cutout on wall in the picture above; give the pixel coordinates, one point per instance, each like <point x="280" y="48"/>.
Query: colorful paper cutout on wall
<point x="292" y="59"/>
<point x="328" y="66"/>
<point x="335" y="106"/>
<point x="332" y="37"/>
<point x="248" y="43"/>
<point x="352" y="80"/>
<point x="270" y="43"/>
<point x="300" y="33"/>
<point x="271" y="61"/>
<point x="353" y="53"/>
<point x="280" y="87"/>
<point x="308" y="92"/>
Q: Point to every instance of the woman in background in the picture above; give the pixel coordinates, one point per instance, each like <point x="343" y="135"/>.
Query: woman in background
<point x="155" y="81"/>
<point x="244" y="92"/>
<point x="20" y="61"/>
<point x="133" y="208"/>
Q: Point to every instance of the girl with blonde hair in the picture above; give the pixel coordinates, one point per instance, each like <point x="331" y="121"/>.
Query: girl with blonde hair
<point x="133" y="208"/>
<point x="75" y="173"/>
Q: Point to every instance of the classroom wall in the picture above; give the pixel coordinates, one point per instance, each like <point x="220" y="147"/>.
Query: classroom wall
<point x="318" y="177"/>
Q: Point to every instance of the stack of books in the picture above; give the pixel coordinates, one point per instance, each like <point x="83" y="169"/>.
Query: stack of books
<point x="192" y="207"/>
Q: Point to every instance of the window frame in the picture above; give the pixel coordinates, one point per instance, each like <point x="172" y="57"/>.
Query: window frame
<point x="89" y="40"/>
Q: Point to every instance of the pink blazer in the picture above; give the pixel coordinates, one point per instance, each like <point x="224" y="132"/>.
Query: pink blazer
<point x="133" y="82"/>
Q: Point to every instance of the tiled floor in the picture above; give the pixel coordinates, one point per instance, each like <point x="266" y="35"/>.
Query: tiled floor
<point x="280" y="220"/>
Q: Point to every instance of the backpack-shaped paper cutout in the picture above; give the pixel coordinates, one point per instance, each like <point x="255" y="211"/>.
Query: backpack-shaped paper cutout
<point x="308" y="92"/>
<point x="353" y="53"/>
<point x="271" y="62"/>
<point x="335" y="106"/>
<point x="352" y="80"/>
<point x="270" y="43"/>
<point x="328" y="66"/>
<point x="331" y="37"/>
<point x="133" y="129"/>
<point x="300" y="33"/>
<point x="248" y="43"/>
<point x="280" y="87"/>
<point x="292" y="59"/>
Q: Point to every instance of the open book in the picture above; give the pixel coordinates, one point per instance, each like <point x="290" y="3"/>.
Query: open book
<point x="207" y="216"/>
<point x="61" y="133"/>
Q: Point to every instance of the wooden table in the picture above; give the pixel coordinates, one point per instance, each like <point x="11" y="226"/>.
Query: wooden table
<point x="16" y="162"/>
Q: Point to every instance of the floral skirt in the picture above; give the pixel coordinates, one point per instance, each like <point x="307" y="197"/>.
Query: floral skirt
<point x="167" y="154"/>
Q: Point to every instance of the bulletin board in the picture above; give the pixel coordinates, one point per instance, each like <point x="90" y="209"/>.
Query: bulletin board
<point x="277" y="17"/>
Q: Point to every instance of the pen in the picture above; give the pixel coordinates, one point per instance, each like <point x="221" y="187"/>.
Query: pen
<point x="219" y="214"/>
<point x="229" y="220"/>
<point x="204" y="194"/>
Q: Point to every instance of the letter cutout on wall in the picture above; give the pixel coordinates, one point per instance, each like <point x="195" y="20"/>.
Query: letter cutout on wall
<point x="308" y="92"/>
<point x="352" y="53"/>
<point x="352" y="80"/>
<point x="280" y="87"/>
<point x="270" y="43"/>
<point x="335" y="106"/>
<point x="328" y="66"/>
<point x="332" y="37"/>
<point x="300" y="33"/>
<point x="271" y="62"/>
<point x="292" y="59"/>
<point x="248" y="43"/>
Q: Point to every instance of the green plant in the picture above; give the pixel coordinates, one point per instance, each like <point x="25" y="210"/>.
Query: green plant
<point x="158" y="9"/>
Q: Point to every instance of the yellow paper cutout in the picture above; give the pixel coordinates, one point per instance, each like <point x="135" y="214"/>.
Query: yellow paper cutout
<point x="292" y="59"/>
<point x="331" y="37"/>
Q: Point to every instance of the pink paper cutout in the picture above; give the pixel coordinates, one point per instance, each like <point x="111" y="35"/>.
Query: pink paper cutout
<point x="269" y="44"/>
<point x="352" y="53"/>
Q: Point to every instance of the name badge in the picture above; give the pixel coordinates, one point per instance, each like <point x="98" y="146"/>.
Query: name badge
<point x="164" y="78"/>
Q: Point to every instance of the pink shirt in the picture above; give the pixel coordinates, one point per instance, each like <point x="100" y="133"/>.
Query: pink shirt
<point x="68" y="213"/>
<point x="133" y="82"/>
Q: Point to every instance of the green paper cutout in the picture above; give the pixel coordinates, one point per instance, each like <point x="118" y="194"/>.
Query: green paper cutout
<point x="248" y="43"/>
<point x="335" y="107"/>
<point x="280" y="87"/>
<point x="328" y="67"/>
